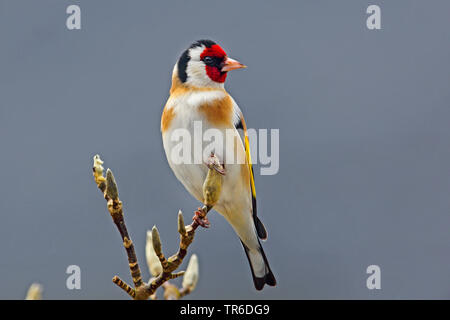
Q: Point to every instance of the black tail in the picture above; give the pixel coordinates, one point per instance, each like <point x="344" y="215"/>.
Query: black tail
<point x="260" y="229"/>
<point x="268" y="277"/>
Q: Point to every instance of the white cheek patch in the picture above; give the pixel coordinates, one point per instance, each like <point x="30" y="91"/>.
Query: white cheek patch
<point x="196" y="73"/>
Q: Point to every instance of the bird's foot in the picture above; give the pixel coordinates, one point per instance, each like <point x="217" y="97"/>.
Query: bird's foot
<point x="201" y="219"/>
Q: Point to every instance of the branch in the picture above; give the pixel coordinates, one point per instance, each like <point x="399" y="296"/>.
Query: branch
<point x="166" y="271"/>
<point x="109" y="188"/>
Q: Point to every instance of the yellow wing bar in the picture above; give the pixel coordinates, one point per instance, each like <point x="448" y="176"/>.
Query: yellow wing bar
<point x="248" y="156"/>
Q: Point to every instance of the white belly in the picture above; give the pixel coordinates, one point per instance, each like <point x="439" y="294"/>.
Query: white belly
<point x="235" y="194"/>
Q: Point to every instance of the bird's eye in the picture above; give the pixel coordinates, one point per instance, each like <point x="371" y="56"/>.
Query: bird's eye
<point x="208" y="60"/>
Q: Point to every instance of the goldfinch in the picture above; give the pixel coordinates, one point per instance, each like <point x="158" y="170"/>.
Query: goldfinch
<point x="198" y="99"/>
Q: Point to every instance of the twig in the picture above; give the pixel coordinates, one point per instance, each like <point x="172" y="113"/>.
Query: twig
<point x="109" y="188"/>
<point x="141" y="290"/>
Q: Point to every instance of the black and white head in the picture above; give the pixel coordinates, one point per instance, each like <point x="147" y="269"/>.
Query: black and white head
<point x="205" y="64"/>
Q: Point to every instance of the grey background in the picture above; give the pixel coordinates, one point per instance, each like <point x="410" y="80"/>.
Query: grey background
<point x="364" y="143"/>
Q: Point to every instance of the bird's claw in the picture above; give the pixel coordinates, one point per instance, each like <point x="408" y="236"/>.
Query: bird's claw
<point x="201" y="219"/>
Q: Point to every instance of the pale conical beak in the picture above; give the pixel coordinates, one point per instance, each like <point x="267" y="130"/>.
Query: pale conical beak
<point x="231" y="64"/>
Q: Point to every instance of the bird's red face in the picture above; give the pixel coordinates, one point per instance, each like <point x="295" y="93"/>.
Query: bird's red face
<point x="213" y="58"/>
<point x="217" y="64"/>
<point x="205" y="63"/>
